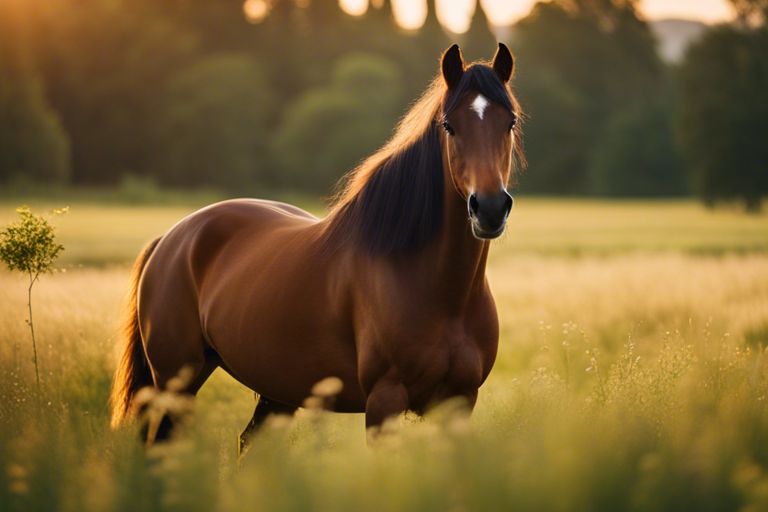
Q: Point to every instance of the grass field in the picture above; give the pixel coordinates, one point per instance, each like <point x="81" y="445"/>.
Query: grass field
<point x="95" y="234"/>
<point x="632" y="375"/>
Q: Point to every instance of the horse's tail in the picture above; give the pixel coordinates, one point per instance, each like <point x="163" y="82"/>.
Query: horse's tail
<point x="132" y="371"/>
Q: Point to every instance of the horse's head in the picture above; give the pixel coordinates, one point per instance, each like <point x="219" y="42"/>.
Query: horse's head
<point x="480" y="116"/>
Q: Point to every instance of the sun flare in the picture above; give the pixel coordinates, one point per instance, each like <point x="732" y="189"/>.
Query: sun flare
<point x="456" y="15"/>
<point x="355" y="7"/>
<point x="255" y="10"/>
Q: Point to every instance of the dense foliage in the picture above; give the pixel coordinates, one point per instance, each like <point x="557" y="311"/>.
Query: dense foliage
<point x="582" y="63"/>
<point x="343" y="121"/>
<point x="637" y="156"/>
<point x="29" y="245"/>
<point x="212" y="127"/>
<point x="723" y="119"/>
<point x="192" y="93"/>
<point x="33" y="145"/>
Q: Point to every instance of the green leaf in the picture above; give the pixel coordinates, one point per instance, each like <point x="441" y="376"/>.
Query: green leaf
<point x="29" y="245"/>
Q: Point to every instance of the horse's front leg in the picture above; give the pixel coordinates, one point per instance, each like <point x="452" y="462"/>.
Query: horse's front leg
<point x="387" y="398"/>
<point x="264" y="409"/>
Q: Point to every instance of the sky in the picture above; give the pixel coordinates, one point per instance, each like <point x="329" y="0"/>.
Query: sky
<point x="455" y="14"/>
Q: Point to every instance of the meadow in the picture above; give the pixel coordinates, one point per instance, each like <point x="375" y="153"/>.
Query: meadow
<point x="632" y="375"/>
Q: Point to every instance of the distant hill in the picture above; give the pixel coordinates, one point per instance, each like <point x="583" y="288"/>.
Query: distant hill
<point x="674" y="36"/>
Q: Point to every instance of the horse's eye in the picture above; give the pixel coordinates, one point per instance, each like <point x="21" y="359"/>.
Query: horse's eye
<point x="448" y="128"/>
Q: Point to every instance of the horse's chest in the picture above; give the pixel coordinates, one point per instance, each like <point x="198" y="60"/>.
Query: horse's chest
<point x="455" y="367"/>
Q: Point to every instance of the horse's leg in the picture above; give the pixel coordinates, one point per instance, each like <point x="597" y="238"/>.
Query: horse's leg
<point x="199" y="374"/>
<point x="387" y="399"/>
<point x="264" y="408"/>
<point x="181" y="367"/>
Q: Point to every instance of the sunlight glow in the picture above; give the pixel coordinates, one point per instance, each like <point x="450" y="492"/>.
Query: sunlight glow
<point x="255" y="10"/>
<point x="710" y="11"/>
<point x="410" y="14"/>
<point x="355" y="7"/>
<point x="506" y="12"/>
<point x="456" y="15"/>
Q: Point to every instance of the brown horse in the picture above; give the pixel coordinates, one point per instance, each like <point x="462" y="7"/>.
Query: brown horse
<point x="387" y="293"/>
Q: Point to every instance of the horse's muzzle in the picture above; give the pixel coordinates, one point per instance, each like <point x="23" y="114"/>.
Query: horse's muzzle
<point x="488" y="213"/>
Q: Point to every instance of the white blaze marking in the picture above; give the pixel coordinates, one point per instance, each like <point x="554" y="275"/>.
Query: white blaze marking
<point x="479" y="105"/>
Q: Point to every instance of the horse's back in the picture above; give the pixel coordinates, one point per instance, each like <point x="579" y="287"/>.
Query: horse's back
<point x="207" y="230"/>
<point x="253" y="214"/>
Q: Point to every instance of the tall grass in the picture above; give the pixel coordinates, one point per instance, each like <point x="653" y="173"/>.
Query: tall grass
<point x="629" y="382"/>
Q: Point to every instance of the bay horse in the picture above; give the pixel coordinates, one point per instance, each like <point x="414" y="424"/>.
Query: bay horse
<point x="387" y="293"/>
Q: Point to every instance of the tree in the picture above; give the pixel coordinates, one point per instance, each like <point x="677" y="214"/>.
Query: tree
<point x="751" y="12"/>
<point x="581" y="62"/>
<point x="556" y="138"/>
<point x="212" y="125"/>
<point x="723" y="117"/>
<point x="105" y="64"/>
<point x="33" y="145"/>
<point x="29" y="246"/>
<point x="330" y="129"/>
<point x="637" y="156"/>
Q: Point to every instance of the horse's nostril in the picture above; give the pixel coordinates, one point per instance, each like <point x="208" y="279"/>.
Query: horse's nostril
<point x="474" y="205"/>
<point x="508" y="202"/>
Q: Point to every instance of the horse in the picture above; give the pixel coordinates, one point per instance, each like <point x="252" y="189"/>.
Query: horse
<point x="387" y="293"/>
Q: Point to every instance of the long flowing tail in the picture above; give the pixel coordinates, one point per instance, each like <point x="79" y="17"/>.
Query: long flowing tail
<point x="132" y="371"/>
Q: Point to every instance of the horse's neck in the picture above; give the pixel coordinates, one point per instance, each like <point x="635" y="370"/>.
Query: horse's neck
<point x="456" y="261"/>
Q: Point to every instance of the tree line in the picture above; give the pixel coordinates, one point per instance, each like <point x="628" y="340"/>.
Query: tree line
<point x="192" y="93"/>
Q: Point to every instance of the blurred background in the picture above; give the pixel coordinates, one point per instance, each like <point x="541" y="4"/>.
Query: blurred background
<point x="623" y="98"/>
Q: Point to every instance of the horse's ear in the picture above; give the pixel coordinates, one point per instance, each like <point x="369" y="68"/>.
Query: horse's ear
<point x="503" y="63"/>
<point x="453" y="66"/>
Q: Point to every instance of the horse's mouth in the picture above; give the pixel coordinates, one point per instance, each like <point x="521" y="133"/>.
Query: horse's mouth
<point x="482" y="234"/>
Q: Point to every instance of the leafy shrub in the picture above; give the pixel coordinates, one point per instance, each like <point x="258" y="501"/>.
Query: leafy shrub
<point x="29" y="246"/>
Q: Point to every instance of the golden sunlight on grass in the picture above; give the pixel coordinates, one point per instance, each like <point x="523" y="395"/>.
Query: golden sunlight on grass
<point x="627" y="382"/>
<point x="99" y="235"/>
<point x="632" y="374"/>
